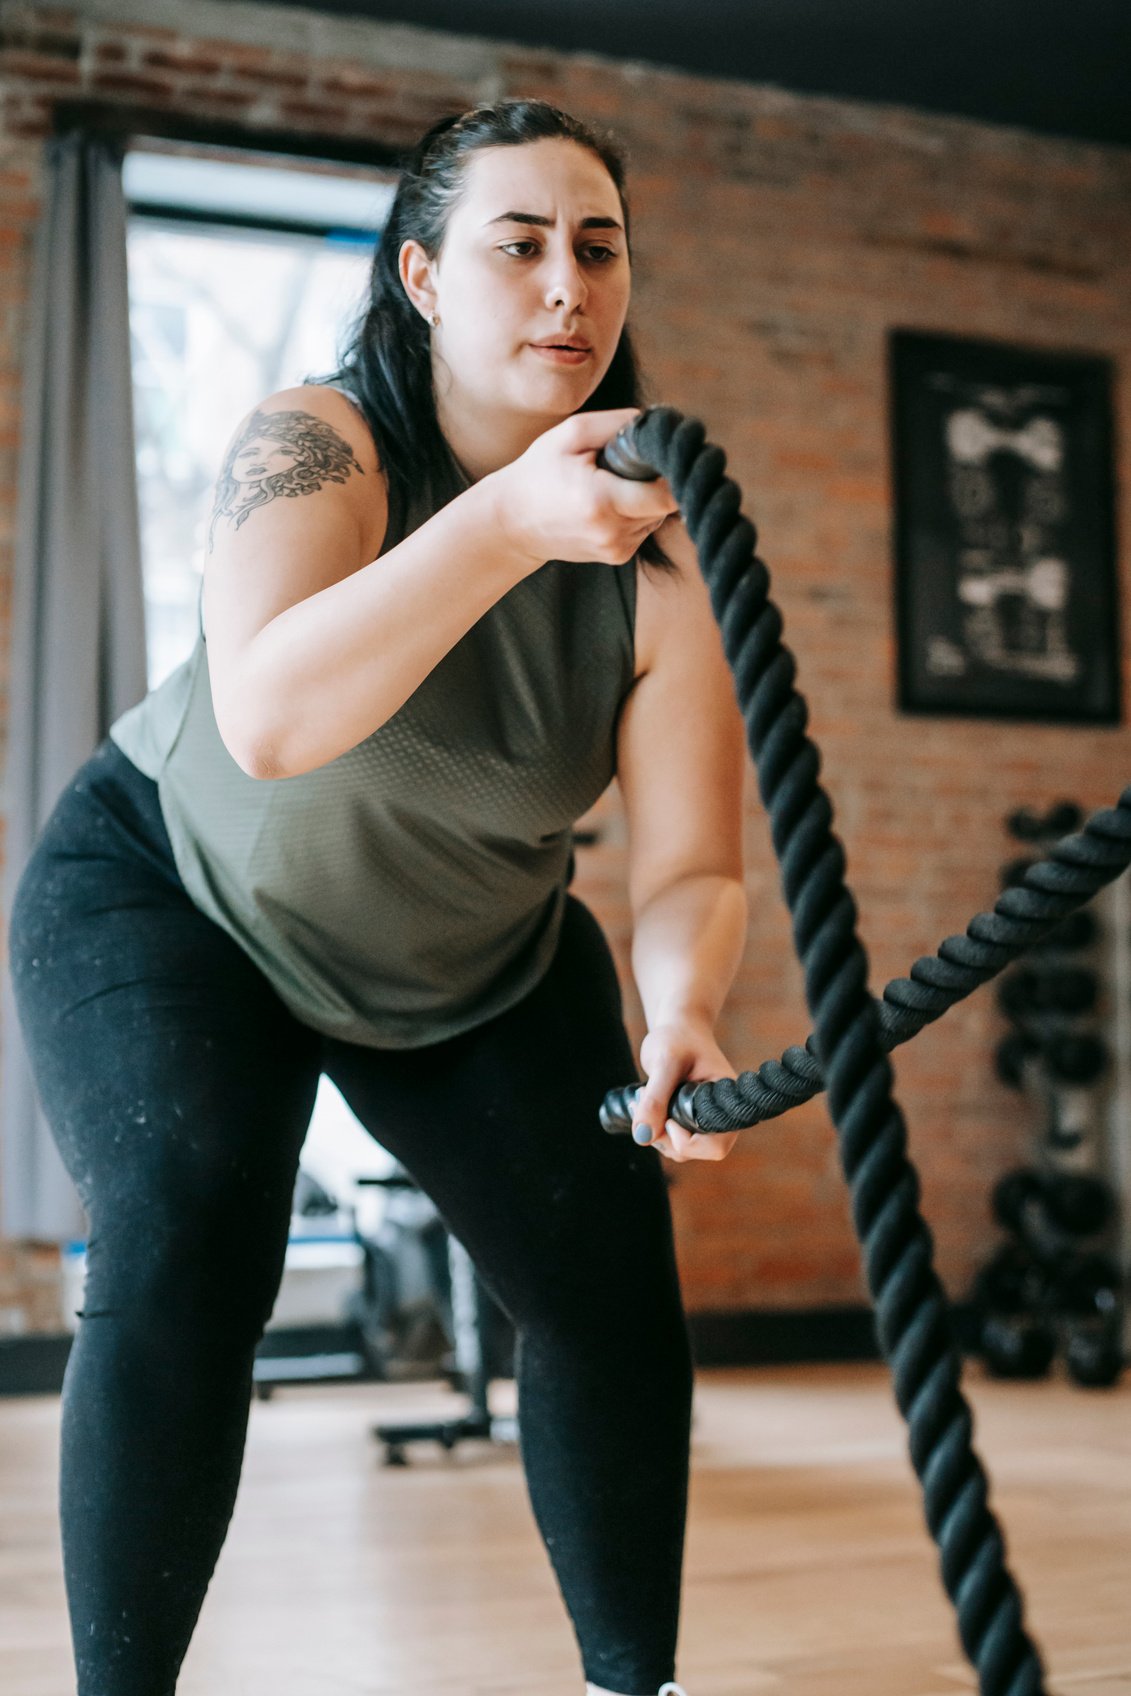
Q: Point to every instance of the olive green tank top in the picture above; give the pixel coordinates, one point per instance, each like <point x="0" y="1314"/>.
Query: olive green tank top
<point x="414" y="886"/>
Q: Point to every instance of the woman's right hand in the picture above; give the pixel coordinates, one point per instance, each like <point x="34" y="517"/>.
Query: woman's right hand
<point x="555" y="502"/>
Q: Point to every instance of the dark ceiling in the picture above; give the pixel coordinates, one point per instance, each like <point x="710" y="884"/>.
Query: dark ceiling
<point x="1062" y="67"/>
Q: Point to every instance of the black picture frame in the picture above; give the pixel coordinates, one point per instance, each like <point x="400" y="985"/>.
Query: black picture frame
<point x="1003" y="478"/>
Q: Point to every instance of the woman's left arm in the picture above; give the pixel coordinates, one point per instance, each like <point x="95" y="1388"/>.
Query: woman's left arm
<point x="681" y="757"/>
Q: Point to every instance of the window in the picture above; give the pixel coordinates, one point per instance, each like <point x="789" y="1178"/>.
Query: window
<point x="239" y="285"/>
<point x="243" y="279"/>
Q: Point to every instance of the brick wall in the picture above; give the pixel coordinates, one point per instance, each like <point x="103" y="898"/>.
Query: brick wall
<point x="777" y="239"/>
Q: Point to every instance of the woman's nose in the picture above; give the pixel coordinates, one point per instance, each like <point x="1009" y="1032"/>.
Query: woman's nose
<point x="566" y="284"/>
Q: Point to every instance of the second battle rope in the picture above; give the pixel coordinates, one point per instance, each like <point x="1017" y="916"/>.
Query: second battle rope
<point x="1077" y="868"/>
<point x="914" y="1325"/>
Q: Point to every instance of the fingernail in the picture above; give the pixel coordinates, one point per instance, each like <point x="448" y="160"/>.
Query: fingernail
<point x="642" y="1133"/>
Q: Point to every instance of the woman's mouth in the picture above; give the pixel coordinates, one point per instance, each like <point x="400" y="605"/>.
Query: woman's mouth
<point x="563" y="355"/>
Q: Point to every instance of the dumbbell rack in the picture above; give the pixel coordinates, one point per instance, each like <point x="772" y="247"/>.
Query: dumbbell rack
<point x="1114" y="907"/>
<point x="1058" y="1283"/>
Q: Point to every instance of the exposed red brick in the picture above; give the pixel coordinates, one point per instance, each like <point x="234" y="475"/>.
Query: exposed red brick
<point x="109" y="52"/>
<point x="354" y="83"/>
<point x="768" y="322"/>
<point x="267" y="77"/>
<point x="312" y="114"/>
<point x="182" y="57"/>
<point x="425" y="108"/>
<point x="19" y="214"/>
<point x="132" y="85"/>
<point x="27" y="119"/>
<point x="29" y="35"/>
<point x="241" y="53"/>
<point x="36" y="67"/>
<point x="203" y="97"/>
<point x="522" y="65"/>
<point x="59" y="19"/>
<point x="148" y="32"/>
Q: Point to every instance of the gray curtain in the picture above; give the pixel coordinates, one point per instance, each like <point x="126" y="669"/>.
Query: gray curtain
<point x="78" y="655"/>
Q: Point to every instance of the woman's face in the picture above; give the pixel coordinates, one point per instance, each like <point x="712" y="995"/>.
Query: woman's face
<point x="259" y="458"/>
<point x="502" y="283"/>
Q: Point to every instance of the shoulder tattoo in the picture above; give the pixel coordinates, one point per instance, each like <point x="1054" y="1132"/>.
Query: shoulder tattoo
<point x="276" y="454"/>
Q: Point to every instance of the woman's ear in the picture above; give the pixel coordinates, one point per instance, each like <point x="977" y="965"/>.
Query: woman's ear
<point x="415" y="269"/>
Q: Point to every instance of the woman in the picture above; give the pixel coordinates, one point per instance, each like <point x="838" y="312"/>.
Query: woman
<point x="337" y="839"/>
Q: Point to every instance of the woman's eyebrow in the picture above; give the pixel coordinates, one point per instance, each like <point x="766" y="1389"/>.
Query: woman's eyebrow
<point x="534" y="218"/>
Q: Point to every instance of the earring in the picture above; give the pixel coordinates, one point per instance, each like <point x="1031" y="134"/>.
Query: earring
<point x="434" y="321"/>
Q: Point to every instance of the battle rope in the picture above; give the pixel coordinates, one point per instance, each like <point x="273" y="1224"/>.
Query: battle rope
<point x="1023" y="914"/>
<point x="914" y="1327"/>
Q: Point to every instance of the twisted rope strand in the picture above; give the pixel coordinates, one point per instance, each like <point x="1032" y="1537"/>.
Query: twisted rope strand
<point x="848" y="1046"/>
<point x="1052" y="888"/>
<point x="1024" y="914"/>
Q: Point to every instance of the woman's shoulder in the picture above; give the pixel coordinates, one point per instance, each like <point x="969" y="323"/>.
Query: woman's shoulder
<point x="339" y="404"/>
<point x="664" y="599"/>
<point x="313" y="418"/>
<point x="346" y="429"/>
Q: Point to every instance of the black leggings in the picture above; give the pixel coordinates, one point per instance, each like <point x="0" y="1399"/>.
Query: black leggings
<point x="179" y="1089"/>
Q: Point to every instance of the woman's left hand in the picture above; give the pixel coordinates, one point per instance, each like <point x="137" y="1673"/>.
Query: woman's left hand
<point x="672" y="1054"/>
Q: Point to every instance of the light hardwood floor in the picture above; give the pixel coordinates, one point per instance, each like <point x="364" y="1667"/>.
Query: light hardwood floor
<point x="809" y="1570"/>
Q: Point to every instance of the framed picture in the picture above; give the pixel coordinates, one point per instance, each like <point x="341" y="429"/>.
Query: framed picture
<point x="1004" y="486"/>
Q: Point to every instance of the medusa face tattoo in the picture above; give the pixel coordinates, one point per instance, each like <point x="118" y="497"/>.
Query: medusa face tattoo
<point x="279" y="453"/>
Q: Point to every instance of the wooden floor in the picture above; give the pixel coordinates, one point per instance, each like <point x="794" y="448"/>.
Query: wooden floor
<point x="809" y="1569"/>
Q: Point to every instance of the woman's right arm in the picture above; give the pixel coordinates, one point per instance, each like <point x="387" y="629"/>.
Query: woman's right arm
<point x="313" y="642"/>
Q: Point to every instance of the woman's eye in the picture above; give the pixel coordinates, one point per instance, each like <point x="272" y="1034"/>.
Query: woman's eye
<point x="597" y="248"/>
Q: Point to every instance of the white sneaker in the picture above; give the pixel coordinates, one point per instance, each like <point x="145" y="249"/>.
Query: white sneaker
<point x="668" y="1689"/>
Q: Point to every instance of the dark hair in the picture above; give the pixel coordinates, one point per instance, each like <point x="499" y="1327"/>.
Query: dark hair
<point x="385" y="359"/>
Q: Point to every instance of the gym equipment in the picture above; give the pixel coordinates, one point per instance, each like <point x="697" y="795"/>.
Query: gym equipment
<point x="1008" y="1282"/>
<point x="1063" y="989"/>
<point x="1049" y="1211"/>
<point x="324" y="1254"/>
<point x="1082" y="1203"/>
<point x="1063" y="1198"/>
<point x="1041" y="1291"/>
<point x="1094" y="1359"/>
<point x="847" y="1050"/>
<point x="383" y="1333"/>
<point x="1028" y="826"/>
<point x="1015" y="1335"/>
<point x="1010" y="1056"/>
<point x="1084" y="1297"/>
<point x="1078" y="931"/>
<point x="1086" y="1284"/>
<point x="1076" y="1057"/>
<point x="474" y="1324"/>
<point x="1018" y="1347"/>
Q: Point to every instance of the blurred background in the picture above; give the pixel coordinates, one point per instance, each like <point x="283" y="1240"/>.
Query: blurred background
<point x="884" y="255"/>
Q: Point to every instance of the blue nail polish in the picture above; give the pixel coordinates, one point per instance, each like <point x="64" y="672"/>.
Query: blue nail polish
<point x="642" y="1133"/>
